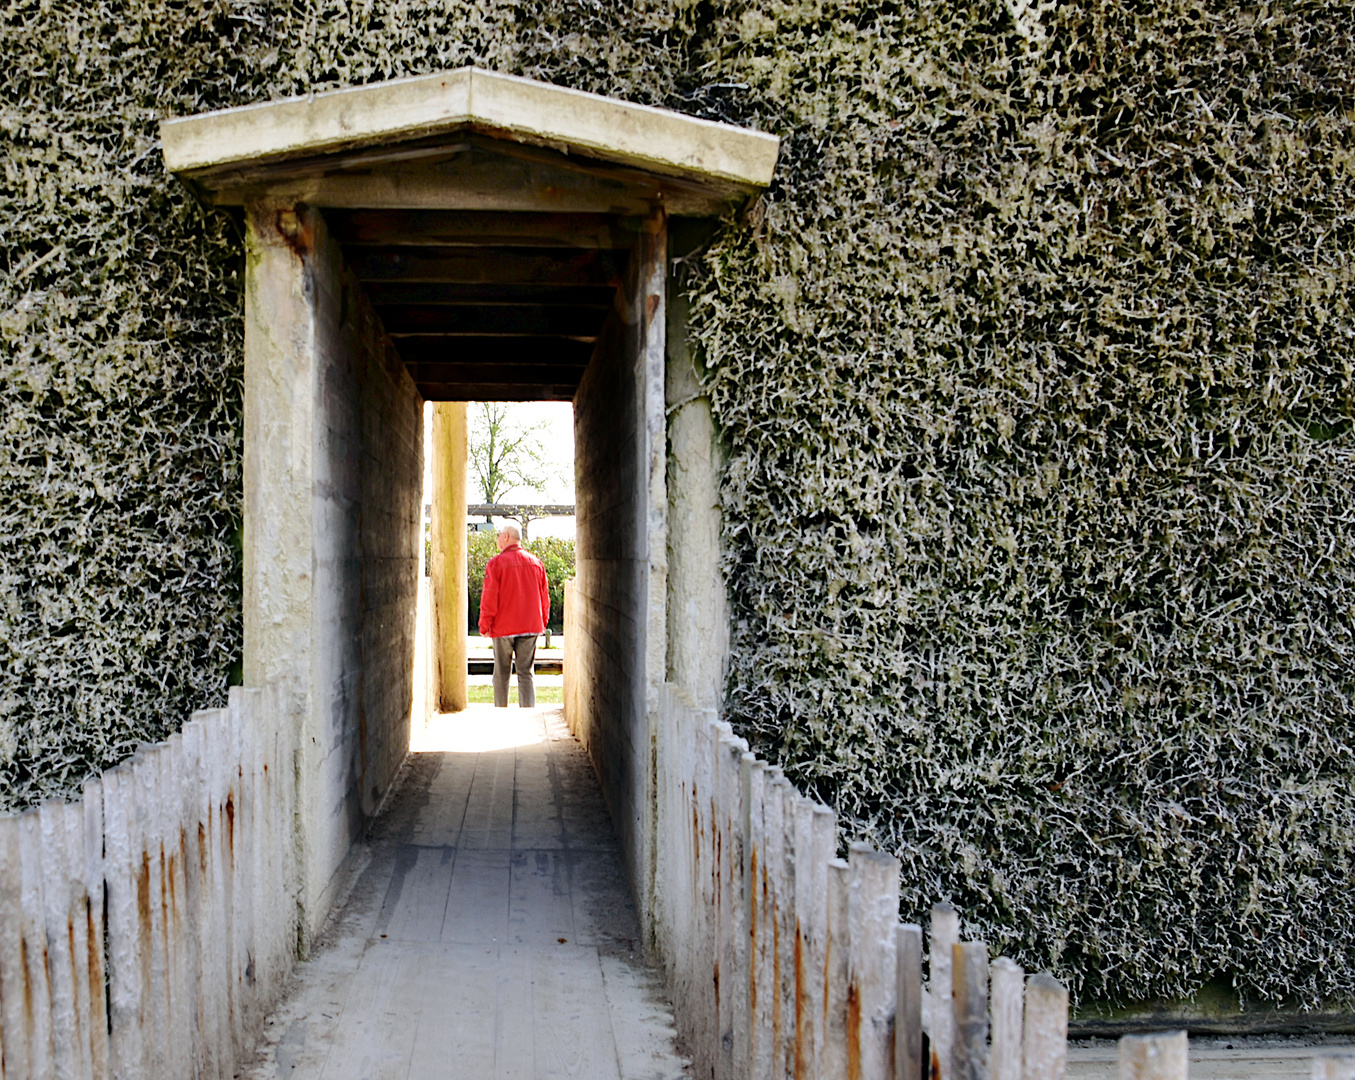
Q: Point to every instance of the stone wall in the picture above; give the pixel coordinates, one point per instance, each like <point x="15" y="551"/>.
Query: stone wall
<point x="333" y="506"/>
<point x="619" y="562"/>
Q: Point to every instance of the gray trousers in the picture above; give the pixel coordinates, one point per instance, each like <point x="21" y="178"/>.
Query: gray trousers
<point x="507" y="650"/>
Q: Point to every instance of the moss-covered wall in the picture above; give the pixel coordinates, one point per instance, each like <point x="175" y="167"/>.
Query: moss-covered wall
<point x="1034" y="371"/>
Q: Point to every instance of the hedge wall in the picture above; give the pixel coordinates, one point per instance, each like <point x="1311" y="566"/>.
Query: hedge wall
<point x="1036" y="374"/>
<point x="1034" y="371"/>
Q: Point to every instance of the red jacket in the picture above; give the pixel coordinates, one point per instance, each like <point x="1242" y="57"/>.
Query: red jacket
<point x="515" y="599"/>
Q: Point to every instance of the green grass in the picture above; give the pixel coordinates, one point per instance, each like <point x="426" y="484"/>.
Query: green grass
<point x="484" y="695"/>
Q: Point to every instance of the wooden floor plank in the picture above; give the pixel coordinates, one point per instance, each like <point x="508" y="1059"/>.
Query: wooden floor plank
<point x="603" y="914"/>
<point x="538" y="813"/>
<point x="375" y="1033"/>
<point x="456" y="1034"/>
<point x="416" y="903"/>
<point x="515" y="1031"/>
<point x="642" y="1022"/>
<point x="477" y="902"/>
<point x="488" y="824"/>
<point x="540" y="905"/>
<point x="570" y="1014"/>
<point x="440" y="818"/>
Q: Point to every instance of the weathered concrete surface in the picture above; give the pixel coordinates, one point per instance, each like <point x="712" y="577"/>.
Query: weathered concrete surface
<point x="1242" y="1058"/>
<point x="491" y="933"/>
<point x="506" y="106"/>
<point x="618" y="625"/>
<point x="333" y="468"/>
<point x="698" y="613"/>
<point x="447" y="568"/>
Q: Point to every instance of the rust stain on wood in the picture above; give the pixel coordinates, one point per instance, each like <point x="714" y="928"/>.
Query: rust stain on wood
<point x="777" y="1018"/>
<point x="230" y="820"/>
<point x="143" y="894"/>
<point x="28" y="985"/>
<point x="752" y="934"/>
<point x="853" y="1031"/>
<point x="802" y="1005"/>
<point x="94" y="956"/>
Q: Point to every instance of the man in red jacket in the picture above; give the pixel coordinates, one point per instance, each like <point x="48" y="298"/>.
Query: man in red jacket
<point x="514" y="609"/>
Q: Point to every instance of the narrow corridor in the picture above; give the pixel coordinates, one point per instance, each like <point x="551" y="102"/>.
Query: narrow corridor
<point x="490" y="934"/>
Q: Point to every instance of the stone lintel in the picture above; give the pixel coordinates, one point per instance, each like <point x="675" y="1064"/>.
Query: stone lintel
<point x="216" y="150"/>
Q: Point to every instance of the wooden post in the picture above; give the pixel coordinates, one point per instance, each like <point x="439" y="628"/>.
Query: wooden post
<point x="447" y="567"/>
<point x="734" y="969"/>
<point x="1008" y="989"/>
<point x="1161" y="1056"/>
<point x="872" y="915"/>
<point x="696" y="736"/>
<point x="57" y="904"/>
<point x="14" y="1032"/>
<point x="125" y="997"/>
<point x="813" y="849"/>
<point x="37" y="993"/>
<point x="945" y="932"/>
<point x="196" y="905"/>
<point x="1045" y="1050"/>
<point x="837" y="952"/>
<point x="147" y="855"/>
<point x="91" y="807"/>
<point x="908" y="1063"/>
<point x="722" y="790"/>
<point x="211" y="997"/>
<point x="774" y="904"/>
<point x="760" y="986"/>
<point x="1334" y="1065"/>
<point x="970" y="993"/>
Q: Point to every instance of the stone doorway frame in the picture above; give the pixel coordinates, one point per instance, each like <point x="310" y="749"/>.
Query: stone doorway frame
<point x="394" y="146"/>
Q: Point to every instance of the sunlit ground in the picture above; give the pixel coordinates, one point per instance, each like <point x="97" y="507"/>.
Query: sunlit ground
<point x="483" y="728"/>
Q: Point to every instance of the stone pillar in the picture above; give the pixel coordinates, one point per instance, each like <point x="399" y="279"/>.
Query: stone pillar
<point x="447" y="565"/>
<point x="282" y="325"/>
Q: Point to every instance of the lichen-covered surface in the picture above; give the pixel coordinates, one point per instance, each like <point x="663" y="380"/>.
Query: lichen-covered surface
<point x="1035" y="374"/>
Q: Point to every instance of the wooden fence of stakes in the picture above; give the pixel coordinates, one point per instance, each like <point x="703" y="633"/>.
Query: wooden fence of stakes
<point x="146" y="929"/>
<point x="786" y="962"/>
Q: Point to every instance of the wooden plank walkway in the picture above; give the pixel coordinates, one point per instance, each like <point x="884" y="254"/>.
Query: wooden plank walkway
<point x="491" y="934"/>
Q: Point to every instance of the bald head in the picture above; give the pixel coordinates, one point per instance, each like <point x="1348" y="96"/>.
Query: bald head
<point x="508" y="536"/>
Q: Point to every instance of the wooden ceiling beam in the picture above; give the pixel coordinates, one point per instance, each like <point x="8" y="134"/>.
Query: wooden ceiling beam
<point x="482" y="228"/>
<point x="594" y="297"/>
<point x="497" y="391"/>
<point x="576" y="323"/>
<point x="504" y="374"/>
<point x="486" y="266"/>
<point x="501" y="352"/>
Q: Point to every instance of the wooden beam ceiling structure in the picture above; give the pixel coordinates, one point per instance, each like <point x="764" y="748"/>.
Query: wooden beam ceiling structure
<point x="488" y="218"/>
<point x="489" y="305"/>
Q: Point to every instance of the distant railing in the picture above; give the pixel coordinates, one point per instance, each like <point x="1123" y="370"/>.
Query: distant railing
<point x="146" y="929"/>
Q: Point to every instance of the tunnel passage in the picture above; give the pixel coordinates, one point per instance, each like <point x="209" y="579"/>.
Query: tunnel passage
<point x="508" y="306"/>
<point x="457" y="236"/>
